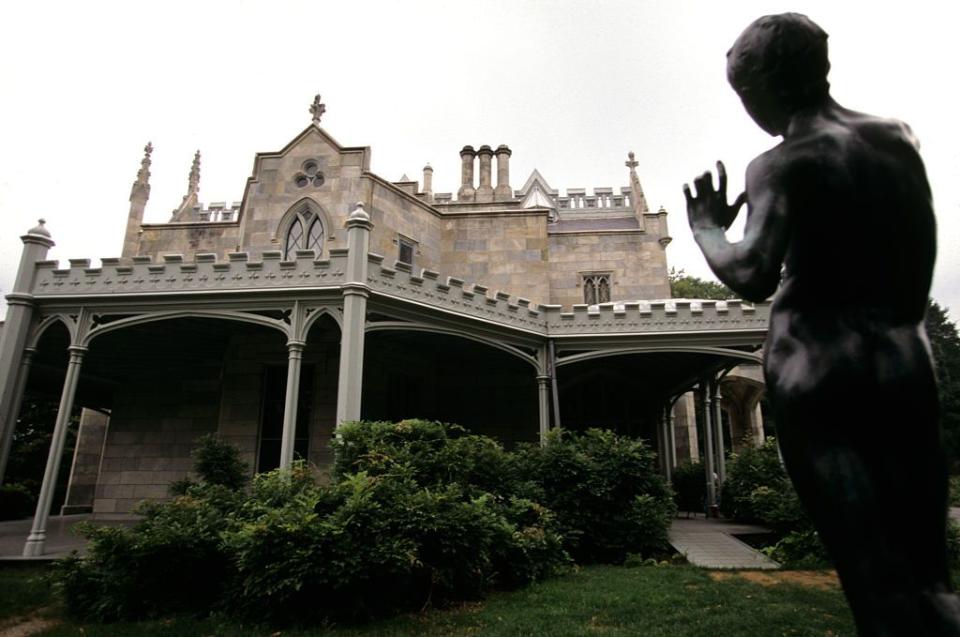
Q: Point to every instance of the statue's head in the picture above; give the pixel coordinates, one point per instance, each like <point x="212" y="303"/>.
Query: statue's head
<point x="777" y="66"/>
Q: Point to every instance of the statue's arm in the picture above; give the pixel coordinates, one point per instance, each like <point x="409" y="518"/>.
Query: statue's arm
<point x="751" y="266"/>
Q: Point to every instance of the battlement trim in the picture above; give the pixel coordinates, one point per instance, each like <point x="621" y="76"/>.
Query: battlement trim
<point x="173" y="273"/>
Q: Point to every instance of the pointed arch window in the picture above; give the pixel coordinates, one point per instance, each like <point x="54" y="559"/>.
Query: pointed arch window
<point x="596" y="288"/>
<point x="304" y="233"/>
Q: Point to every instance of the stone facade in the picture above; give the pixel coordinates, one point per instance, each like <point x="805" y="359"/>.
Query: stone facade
<point x="329" y="294"/>
<point x="536" y="248"/>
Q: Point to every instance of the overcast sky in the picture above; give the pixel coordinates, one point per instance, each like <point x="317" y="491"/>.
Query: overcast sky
<point x="571" y="87"/>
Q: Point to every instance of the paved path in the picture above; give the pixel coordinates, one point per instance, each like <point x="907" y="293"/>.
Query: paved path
<point x="60" y="539"/>
<point x="709" y="543"/>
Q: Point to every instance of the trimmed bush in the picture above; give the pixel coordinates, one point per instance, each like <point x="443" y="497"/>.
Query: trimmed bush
<point x="689" y="482"/>
<point x="606" y="492"/>
<point x="429" y="453"/>
<point x="748" y="470"/>
<point x="16" y="502"/>
<point x="759" y="491"/>
<point x="217" y="462"/>
<point x="418" y="529"/>
<point x="171" y="561"/>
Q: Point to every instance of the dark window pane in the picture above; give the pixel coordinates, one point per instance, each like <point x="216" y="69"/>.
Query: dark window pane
<point x="294" y="239"/>
<point x="315" y="237"/>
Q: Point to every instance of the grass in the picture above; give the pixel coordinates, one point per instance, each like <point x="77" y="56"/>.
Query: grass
<point x="23" y="590"/>
<point x="600" y="600"/>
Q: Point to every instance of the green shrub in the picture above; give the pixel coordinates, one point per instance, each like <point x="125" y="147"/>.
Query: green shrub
<point x="606" y="492"/>
<point x="430" y="453"/>
<point x="16" y="502"/>
<point x="218" y="462"/>
<point x="370" y="545"/>
<point x="746" y="471"/>
<point x="171" y="561"/>
<point x="759" y="491"/>
<point x="418" y="513"/>
<point x="689" y="482"/>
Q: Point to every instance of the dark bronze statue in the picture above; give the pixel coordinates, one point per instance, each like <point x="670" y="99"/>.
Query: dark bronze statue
<point x="839" y="217"/>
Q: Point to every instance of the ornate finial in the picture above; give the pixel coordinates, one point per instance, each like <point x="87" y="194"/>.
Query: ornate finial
<point x="39" y="229"/>
<point x="194" y="183"/>
<point x="317" y="109"/>
<point x="359" y="214"/>
<point x="142" y="183"/>
<point x="640" y="206"/>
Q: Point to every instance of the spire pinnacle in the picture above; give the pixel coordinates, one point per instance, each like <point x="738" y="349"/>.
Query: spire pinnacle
<point x="636" y="190"/>
<point x="193" y="183"/>
<point x="317" y="109"/>
<point x="142" y="183"/>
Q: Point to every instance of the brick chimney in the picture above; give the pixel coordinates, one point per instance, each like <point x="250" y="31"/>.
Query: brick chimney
<point x="485" y="189"/>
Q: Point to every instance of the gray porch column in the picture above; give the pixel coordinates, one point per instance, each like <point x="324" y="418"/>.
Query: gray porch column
<point x="38" y="534"/>
<point x="7" y="441"/>
<point x="355" y="293"/>
<point x="665" y="443"/>
<point x="543" y="385"/>
<point x="13" y="338"/>
<point x="718" y="431"/>
<point x="671" y="436"/>
<point x="708" y="446"/>
<point x="289" y="435"/>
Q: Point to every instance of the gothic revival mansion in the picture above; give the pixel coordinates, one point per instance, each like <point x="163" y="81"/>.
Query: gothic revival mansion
<point x="330" y="294"/>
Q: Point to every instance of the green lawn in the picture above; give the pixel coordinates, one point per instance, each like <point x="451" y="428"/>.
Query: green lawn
<point x="601" y="600"/>
<point x="23" y="591"/>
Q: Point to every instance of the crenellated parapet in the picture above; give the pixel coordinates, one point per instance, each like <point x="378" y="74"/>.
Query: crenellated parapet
<point x="452" y="294"/>
<point x="141" y="275"/>
<point x="677" y="315"/>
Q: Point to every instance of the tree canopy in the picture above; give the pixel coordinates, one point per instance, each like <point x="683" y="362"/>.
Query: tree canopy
<point x="945" y="343"/>
<point x="685" y="286"/>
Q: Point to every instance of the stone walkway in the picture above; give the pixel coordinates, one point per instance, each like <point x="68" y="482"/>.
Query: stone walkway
<point x="61" y="541"/>
<point x="709" y="543"/>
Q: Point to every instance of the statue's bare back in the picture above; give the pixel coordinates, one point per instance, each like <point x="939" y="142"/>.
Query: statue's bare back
<point x="840" y="226"/>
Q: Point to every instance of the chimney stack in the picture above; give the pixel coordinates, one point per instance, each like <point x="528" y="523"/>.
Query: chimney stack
<point x="503" y="192"/>
<point x="485" y="189"/>
<point x="428" y="183"/>
<point x="467" y="192"/>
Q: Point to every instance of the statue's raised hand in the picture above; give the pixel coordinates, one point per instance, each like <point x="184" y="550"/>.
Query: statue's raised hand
<point x="709" y="209"/>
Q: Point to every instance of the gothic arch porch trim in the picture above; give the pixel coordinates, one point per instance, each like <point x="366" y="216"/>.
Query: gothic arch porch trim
<point x="141" y="319"/>
<point x="381" y="326"/>
<point x="313" y="314"/>
<point x="623" y="351"/>
<point x="46" y="321"/>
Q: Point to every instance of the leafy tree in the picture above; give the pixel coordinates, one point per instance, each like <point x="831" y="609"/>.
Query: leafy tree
<point x="685" y="286"/>
<point x="945" y="343"/>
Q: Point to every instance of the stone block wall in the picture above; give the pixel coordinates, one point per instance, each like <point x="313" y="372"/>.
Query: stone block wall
<point x="157" y="415"/>
<point x="189" y="239"/>
<point x="395" y="215"/>
<point x="242" y="398"/>
<point x="501" y="251"/>
<point x="636" y="261"/>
